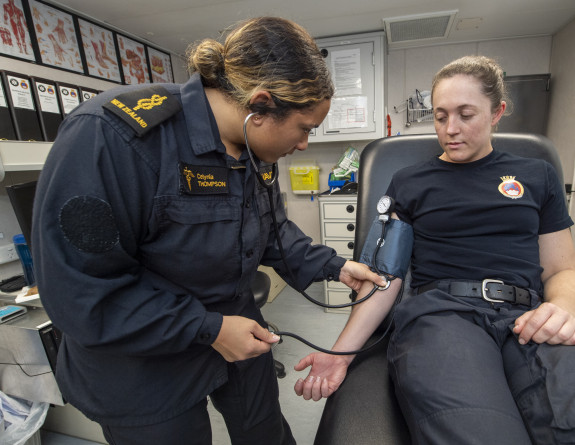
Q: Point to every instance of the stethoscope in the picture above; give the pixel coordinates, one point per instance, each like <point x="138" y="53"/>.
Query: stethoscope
<point x="383" y="205"/>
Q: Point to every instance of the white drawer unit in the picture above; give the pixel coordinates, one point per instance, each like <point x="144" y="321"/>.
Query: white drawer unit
<point x="337" y="225"/>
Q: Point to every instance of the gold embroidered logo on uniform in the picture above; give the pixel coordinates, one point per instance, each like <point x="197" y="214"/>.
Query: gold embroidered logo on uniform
<point x="511" y="188"/>
<point x="188" y="175"/>
<point x="149" y="103"/>
<point x="267" y="173"/>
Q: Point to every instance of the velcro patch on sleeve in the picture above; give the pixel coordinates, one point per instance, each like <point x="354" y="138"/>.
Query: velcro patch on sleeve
<point x="88" y="224"/>
<point x="145" y="108"/>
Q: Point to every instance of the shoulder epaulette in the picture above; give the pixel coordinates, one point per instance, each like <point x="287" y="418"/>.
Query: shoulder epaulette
<point x="145" y="108"/>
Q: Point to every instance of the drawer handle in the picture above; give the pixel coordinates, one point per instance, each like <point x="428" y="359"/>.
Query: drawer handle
<point x="350" y="227"/>
<point x="350" y="245"/>
<point x="350" y="209"/>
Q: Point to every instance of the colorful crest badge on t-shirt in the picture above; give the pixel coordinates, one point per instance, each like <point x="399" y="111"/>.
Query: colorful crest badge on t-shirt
<point x="510" y="187"/>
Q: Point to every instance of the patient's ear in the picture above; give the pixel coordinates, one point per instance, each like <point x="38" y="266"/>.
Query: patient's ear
<point x="498" y="113"/>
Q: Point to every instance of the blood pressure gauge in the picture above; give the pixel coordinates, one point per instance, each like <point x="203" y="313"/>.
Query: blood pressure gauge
<point x="385" y="205"/>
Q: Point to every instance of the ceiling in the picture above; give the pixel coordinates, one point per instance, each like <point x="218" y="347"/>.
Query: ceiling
<point x="173" y="24"/>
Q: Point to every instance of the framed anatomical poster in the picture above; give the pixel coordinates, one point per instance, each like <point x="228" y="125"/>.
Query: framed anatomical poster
<point x="100" y="51"/>
<point x="160" y="66"/>
<point x="15" y="38"/>
<point x="55" y="32"/>
<point x="133" y="59"/>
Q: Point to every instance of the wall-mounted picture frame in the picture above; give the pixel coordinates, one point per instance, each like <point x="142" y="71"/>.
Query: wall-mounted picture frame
<point x="55" y="35"/>
<point x="15" y="39"/>
<point x="160" y="66"/>
<point x="100" y="51"/>
<point x="133" y="60"/>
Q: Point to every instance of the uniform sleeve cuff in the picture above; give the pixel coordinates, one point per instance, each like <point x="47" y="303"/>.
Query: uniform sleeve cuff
<point x="332" y="269"/>
<point x="210" y="328"/>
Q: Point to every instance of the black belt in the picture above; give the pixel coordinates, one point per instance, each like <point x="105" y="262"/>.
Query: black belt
<point x="494" y="291"/>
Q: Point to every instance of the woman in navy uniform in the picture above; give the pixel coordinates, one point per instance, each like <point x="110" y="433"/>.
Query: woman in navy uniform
<point x="149" y="225"/>
<point x="484" y="352"/>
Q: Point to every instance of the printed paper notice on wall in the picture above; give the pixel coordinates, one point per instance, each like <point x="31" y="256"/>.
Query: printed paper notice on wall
<point x="346" y="72"/>
<point x="347" y="112"/>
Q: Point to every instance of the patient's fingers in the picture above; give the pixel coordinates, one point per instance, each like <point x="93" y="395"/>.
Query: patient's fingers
<point x="310" y="388"/>
<point x="316" y="388"/>
<point x="325" y="392"/>
<point x="298" y="387"/>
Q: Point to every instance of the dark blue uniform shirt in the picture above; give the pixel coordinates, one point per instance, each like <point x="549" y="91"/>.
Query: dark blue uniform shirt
<point x="480" y="219"/>
<point x="137" y="268"/>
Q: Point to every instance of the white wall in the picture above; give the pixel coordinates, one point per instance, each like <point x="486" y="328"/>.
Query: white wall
<point x="560" y="127"/>
<point x="414" y="68"/>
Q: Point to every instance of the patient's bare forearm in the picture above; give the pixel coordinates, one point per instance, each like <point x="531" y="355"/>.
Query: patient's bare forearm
<point x="367" y="316"/>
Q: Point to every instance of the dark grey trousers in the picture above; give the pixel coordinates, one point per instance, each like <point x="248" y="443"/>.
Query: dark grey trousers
<point x="462" y="377"/>
<point x="248" y="403"/>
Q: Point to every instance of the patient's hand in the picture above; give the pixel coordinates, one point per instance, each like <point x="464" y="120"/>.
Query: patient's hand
<point x="326" y="374"/>
<point x="548" y="323"/>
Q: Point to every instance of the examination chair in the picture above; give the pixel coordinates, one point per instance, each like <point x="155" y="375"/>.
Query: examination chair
<point x="364" y="410"/>
<point x="261" y="290"/>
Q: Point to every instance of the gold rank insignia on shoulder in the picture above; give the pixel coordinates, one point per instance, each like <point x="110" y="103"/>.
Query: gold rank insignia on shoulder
<point x="510" y="187"/>
<point x="144" y="108"/>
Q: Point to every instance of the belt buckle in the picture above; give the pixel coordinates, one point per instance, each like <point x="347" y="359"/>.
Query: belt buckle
<point x="484" y="284"/>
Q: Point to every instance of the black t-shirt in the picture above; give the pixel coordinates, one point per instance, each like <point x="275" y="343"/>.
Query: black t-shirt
<point x="481" y="219"/>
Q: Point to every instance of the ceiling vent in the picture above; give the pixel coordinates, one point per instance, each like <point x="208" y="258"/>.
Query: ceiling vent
<point x="415" y="28"/>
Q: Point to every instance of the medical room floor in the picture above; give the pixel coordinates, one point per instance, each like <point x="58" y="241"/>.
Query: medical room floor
<point x="290" y="312"/>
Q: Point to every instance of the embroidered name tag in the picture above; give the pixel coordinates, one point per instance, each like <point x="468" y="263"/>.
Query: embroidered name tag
<point x="143" y="109"/>
<point x="203" y="179"/>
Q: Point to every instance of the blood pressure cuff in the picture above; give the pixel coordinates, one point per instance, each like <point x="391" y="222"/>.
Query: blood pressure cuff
<point x="394" y="254"/>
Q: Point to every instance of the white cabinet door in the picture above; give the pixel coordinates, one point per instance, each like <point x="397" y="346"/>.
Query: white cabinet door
<point x="357" y="109"/>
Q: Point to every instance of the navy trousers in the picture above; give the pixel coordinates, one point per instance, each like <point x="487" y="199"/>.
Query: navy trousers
<point x="248" y="403"/>
<point x="462" y="377"/>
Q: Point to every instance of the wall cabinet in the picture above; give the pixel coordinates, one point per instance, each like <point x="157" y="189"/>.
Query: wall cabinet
<point x="356" y="64"/>
<point x="337" y="226"/>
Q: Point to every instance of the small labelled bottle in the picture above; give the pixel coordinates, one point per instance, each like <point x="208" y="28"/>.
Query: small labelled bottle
<point x="25" y="258"/>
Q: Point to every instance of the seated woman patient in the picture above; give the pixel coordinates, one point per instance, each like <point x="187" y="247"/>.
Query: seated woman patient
<point x="483" y="352"/>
